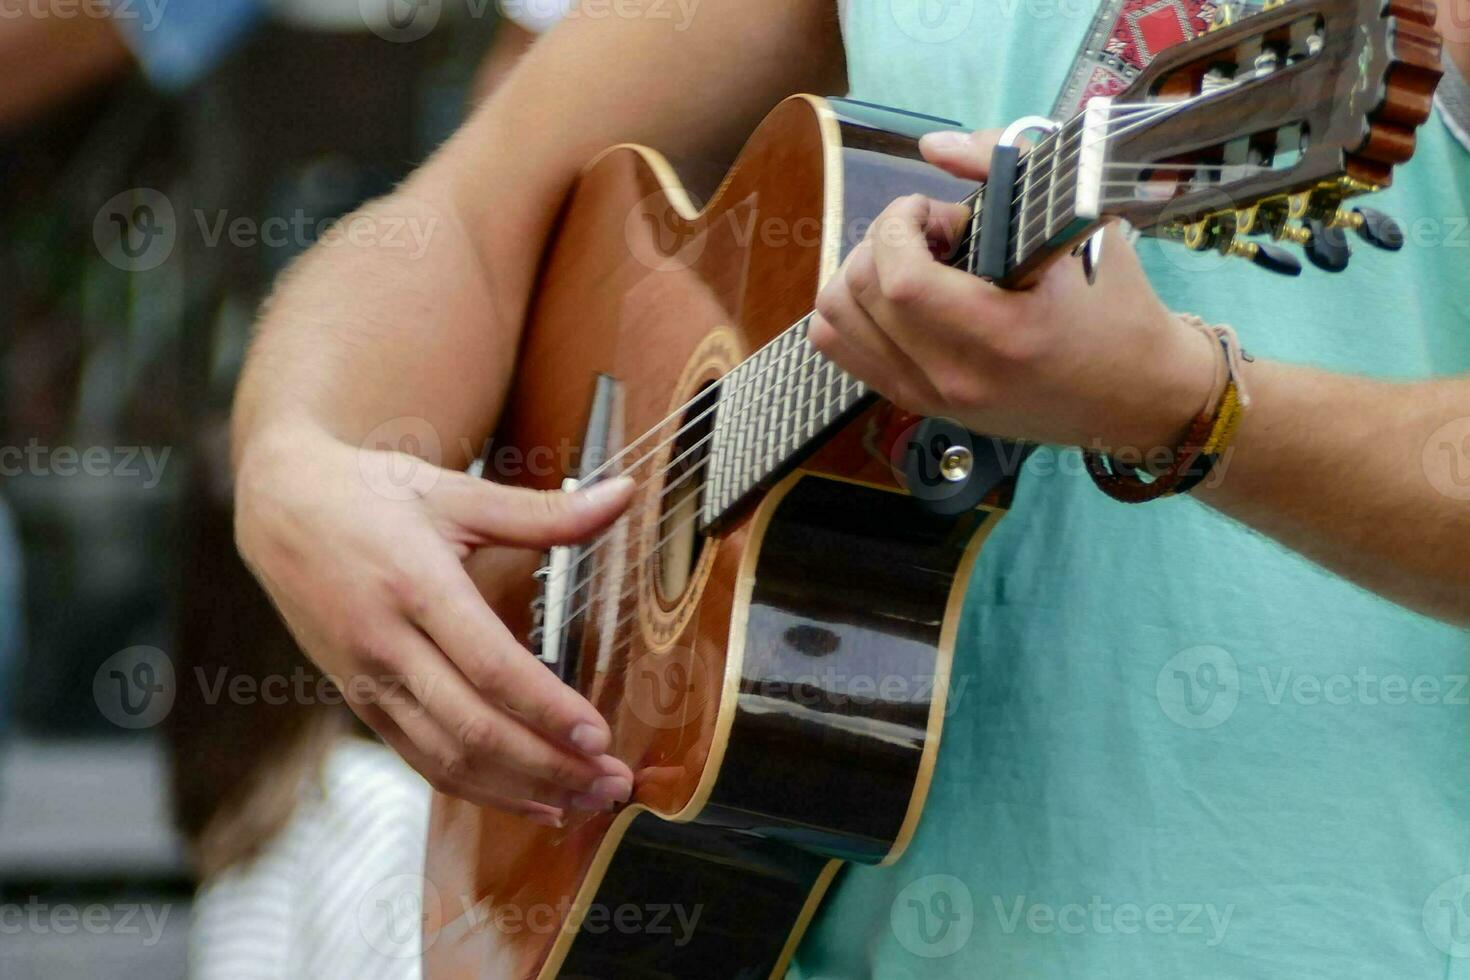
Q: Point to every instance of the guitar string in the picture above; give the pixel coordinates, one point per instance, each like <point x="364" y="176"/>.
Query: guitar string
<point x="745" y="414"/>
<point x="606" y="464"/>
<point x="1149" y="109"/>
<point x="1163" y="109"/>
<point x="635" y="544"/>
<point x="748" y="411"/>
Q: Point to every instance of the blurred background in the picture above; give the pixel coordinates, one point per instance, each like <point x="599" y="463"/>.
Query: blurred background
<point x="161" y="161"/>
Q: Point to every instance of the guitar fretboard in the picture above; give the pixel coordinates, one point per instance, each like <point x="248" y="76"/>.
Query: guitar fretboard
<point x="782" y="402"/>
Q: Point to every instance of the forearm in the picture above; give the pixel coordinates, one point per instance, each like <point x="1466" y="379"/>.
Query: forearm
<point x="360" y="333"/>
<point x="1371" y="479"/>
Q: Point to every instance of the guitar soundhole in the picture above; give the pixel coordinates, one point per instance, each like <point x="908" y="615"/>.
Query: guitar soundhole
<point x="680" y="542"/>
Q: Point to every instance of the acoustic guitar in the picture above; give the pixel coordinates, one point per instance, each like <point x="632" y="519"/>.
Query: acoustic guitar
<point x="769" y="629"/>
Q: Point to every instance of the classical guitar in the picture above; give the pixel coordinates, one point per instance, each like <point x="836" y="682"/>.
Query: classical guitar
<point x="769" y="629"/>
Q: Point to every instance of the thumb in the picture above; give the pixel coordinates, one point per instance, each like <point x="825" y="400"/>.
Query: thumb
<point x="965" y="155"/>
<point x="492" y="513"/>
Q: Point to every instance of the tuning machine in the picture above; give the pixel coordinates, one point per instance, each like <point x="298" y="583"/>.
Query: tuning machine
<point x="1272" y="258"/>
<point x="1325" y="244"/>
<point x="1220" y="232"/>
<point x="1373" y="227"/>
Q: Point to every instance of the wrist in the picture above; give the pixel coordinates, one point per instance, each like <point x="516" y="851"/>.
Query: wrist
<point x="1168" y="393"/>
<point x="263" y="448"/>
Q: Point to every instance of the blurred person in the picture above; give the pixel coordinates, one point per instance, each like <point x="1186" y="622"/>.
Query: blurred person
<point x="54" y="50"/>
<point x="1327" y="549"/>
<point x="292" y="814"/>
<point x="49" y="59"/>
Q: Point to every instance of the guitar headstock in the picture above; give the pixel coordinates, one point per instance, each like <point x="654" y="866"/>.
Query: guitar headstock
<point x="1264" y="127"/>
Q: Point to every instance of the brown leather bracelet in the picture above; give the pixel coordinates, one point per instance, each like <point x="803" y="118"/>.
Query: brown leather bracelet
<point x="1128" y="487"/>
<point x="1209" y="434"/>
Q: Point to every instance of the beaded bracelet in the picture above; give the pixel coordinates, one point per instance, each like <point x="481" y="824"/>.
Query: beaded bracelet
<point x="1209" y="435"/>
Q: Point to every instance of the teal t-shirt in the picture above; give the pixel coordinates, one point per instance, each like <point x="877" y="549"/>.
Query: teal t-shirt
<point x="1175" y="749"/>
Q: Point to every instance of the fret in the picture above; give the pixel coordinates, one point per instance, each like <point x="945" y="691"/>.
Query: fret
<point x="830" y="370"/>
<point x="1038" y="172"/>
<point x="1048" y="198"/>
<point x="814" y="392"/>
<point x="1018" y="222"/>
<point x="742" y="428"/>
<point x="783" y="437"/>
<point x="771" y="385"/>
<point x="977" y="207"/>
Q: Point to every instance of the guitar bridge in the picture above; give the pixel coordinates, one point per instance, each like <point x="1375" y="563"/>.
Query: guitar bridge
<point x="560" y="610"/>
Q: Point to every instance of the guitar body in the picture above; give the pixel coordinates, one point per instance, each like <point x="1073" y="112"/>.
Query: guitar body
<point x="773" y="655"/>
<point x="777" y="686"/>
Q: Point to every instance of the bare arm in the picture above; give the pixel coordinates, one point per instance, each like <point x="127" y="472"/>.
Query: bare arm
<point x="1369" y="478"/>
<point x="360" y="335"/>
<point x="368" y="338"/>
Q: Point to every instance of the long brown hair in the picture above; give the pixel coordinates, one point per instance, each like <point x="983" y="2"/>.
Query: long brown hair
<point x="238" y="764"/>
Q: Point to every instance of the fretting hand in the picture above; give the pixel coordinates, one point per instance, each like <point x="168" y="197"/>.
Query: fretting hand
<point x="1104" y="365"/>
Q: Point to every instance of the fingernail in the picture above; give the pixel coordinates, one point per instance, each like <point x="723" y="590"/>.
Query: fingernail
<point x="591" y="803"/>
<point x="606" y="491"/>
<point x="545" y="819"/>
<point x="946" y="140"/>
<point x="614" y="788"/>
<point x="591" y="739"/>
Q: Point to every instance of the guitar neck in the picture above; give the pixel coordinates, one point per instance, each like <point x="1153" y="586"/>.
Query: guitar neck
<point x="785" y="400"/>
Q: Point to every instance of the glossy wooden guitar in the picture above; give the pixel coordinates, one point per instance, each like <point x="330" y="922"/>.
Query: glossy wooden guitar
<point x="769" y="630"/>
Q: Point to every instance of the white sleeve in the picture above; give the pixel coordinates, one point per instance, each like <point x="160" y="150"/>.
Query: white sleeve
<point x="337" y="895"/>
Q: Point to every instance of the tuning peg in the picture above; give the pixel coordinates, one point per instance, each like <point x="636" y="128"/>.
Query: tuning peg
<point x="1327" y="248"/>
<point x="1373" y="227"/>
<point x="1272" y="258"/>
<point x="1325" y="245"/>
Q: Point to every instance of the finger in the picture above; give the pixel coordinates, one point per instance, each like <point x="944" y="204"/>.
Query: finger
<point x="850" y="358"/>
<point x="471" y="748"/>
<point x="482" y="736"/>
<point x="965" y="155"/>
<point x="451" y="611"/>
<point x="921" y="224"/>
<point x="481" y="512"/>
<point x="926" y="308"/>
<point x="901" y="379"/>
<point x="379" y="721"/>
